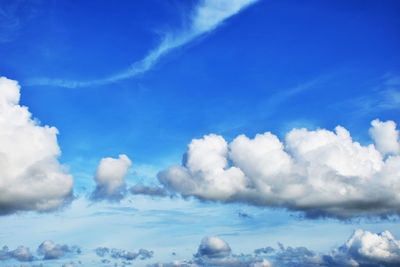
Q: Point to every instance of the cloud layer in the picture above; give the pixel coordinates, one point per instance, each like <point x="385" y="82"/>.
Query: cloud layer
<point x="320" y="172"/>
<point x="110" y="178"/>
<point x="206" y="16"/>
<point x="31" y="178"/>
<point x="363" y="248"/>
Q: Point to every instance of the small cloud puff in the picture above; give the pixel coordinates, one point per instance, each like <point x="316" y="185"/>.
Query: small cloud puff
<point x="110" y="178"/>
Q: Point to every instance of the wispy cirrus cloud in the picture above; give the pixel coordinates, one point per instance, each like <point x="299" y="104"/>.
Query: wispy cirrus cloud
<point x="206" y="17"/>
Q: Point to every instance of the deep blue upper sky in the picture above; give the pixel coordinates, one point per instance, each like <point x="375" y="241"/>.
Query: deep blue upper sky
<point x="227" y="82"/>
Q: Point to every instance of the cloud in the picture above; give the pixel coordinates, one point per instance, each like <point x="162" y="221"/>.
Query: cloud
<point x="155" y="191"/>
<point x="206" y="16"/>
<point x="213" y="247"/>
<point x="366" y="248"/>
<point x="386" y="137"/>
<point x="320" y="172"/>
<point x="110" y="178"/>
<point x="31" y="178"/>
<point x="51" y="251"/>
<point x="142" y="254"/>
<point x="21" y="254"/>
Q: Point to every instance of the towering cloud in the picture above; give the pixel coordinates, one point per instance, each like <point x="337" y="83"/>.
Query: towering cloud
<point x="110" y="178"/>
<point x="321" y="172"/>
<point x="31" y="178"/>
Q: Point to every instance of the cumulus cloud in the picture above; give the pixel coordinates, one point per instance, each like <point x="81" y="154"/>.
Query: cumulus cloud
<point x="155" y="191"/>
<point x="110" y="178"/>
<point x="367" y="249"/>
<point x="51" y="251"/>
<point x="21" y="254"/>
<point x="320" y="172"/>
<point x="205" y="17"/>
<point x="213" y="247"/>
<point x="142" y="254"/>
<point x="31" y="178"/>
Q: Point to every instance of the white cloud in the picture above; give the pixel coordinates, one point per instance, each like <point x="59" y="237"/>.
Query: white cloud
<point x="31" y="178"/>
<point x="368" y="248"/>
<point x="110" y="178"/>
<point x="321" y="172"/>
<point x="206" y="16"/>
<point x="386" y="136"/>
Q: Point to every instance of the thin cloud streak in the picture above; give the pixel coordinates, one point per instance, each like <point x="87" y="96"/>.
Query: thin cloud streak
<point x="207" y="16"/>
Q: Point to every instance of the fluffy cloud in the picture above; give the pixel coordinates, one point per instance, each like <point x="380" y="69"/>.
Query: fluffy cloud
<point x="365" y="248"/>
<point x="386" y="136"/>
<point x="31" y="178"/>
<point x="320" y="172"/>
<point x="51" y="251"/>
<point x="213" y="247"/>
<point x="110" y="178"/>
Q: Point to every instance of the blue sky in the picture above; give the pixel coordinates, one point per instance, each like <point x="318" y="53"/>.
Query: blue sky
<point x="146" y="79"/>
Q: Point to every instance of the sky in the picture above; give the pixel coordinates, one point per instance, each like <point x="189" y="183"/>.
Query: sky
<point x="199" y="133"/>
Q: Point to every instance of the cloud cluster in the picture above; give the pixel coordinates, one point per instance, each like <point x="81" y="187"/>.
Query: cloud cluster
<point x="367" y="249"/>
<point x="320" y="172"/>
<point x="213" y="251"/>
<point x="206" y="16"/>
<point x="361" y="249"/>
<point x="110" y="178"/>
<point x="31" y="178"/>
<point x="142" y="254"/>
<point x="47" y="249"/>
